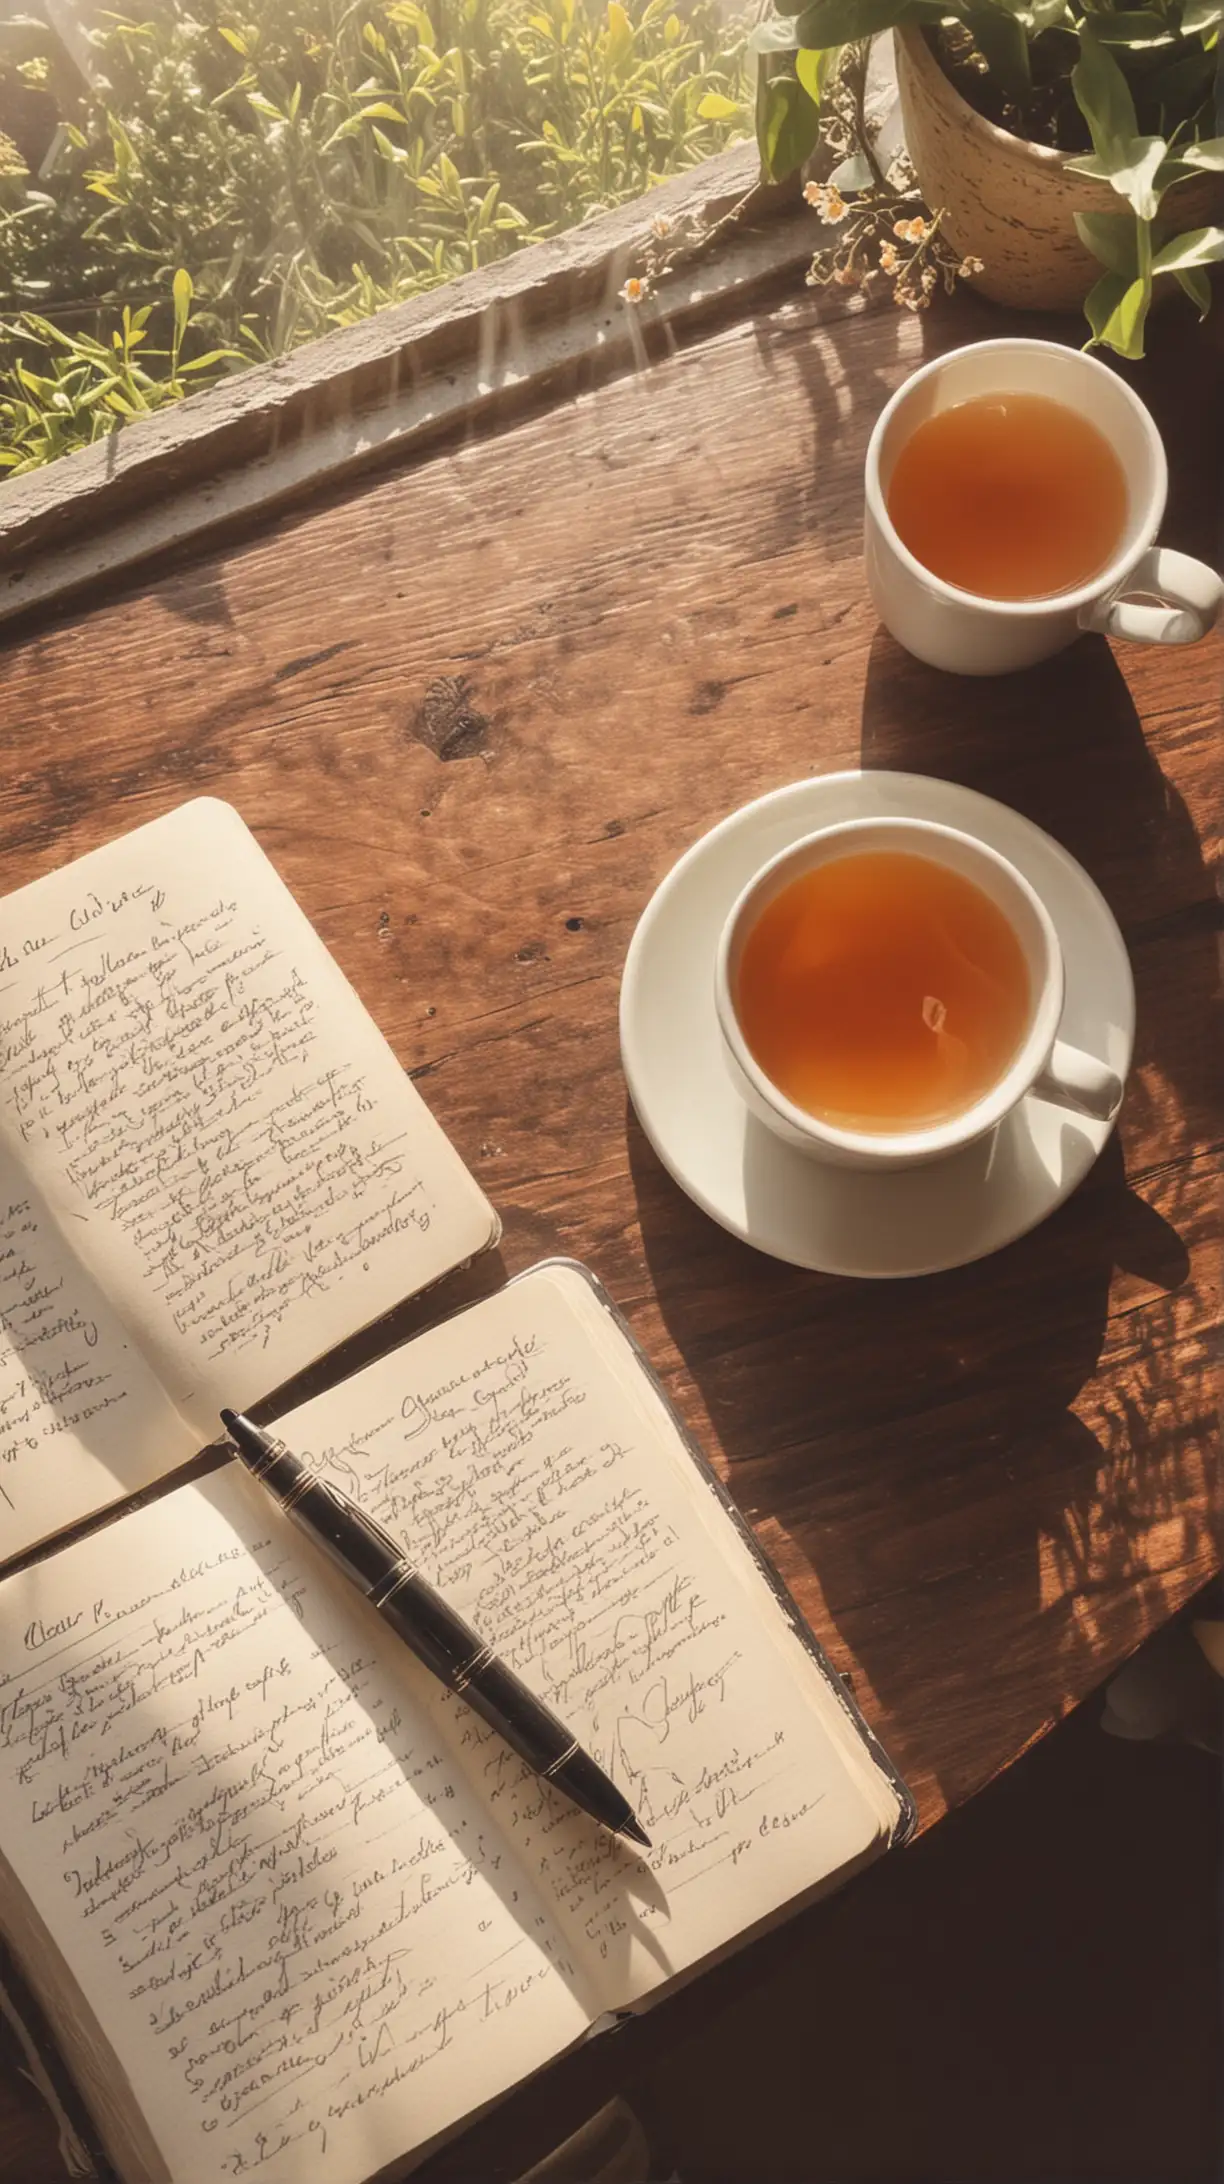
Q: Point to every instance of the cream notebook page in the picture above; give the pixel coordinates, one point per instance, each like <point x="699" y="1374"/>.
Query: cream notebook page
<point x="525" y="1455"/>
<point x="236" y="1832"/>
<point x="316" y="1905"/>
<point x="194" y="1097"/>
<point x="83" y="1419"/>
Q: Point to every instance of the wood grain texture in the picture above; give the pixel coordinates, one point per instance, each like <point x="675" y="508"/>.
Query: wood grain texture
<point x="474" y="713"/>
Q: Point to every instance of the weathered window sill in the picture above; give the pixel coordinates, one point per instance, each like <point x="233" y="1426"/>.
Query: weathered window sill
<point x="546" y="322"/>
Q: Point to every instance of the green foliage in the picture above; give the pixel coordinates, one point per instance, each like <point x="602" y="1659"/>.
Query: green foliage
<point x="289" y="166"/>
<point x="1147" y="81"/>
<point x="788" y="124"/>
<point x="85" y="387"/>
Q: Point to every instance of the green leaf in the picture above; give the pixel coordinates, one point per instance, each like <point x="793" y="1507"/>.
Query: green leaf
<point x="350" y="128"/>
<point x="1174" y="169"/>
<point x="232" y="38"/>
<point x="1201" y="246"/>
<point x="816" y="71"/>
<point x="1200" y="15"/>
<point x="1116" y="309"/>
<point x="1000" y="39"/>
<point x="1207" y="153"/>
<point x="1103" y="97"/>
<point x="1197" y="287"/>
<point x="714" y="107"/>
<point x="840" y="22"/>
<point x="1140" y="27"/>
<point x="264" y="106"/>
<point x="1130" y="167"/>
<point x="852" y="174"/>
<point x="183" y="289"/>
<point x="1110" y="236"/>
<point x="381" y="110"/>
<point x="788" y="126"/>
<point x="620" y="34"/>
<point x="1177" y="86"/>
<point x="776" y="35"/>
<point x="212" y="356"/>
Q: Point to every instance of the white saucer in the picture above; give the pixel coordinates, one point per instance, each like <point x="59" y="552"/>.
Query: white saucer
<point x="842" y="1220"/>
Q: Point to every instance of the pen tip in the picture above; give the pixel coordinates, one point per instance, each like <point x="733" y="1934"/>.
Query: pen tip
<point x="250" y="1441"/>
<point x="634" y="1830"/>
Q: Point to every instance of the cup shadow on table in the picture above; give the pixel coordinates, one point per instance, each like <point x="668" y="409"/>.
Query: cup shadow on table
<point x="911" y="1447"/>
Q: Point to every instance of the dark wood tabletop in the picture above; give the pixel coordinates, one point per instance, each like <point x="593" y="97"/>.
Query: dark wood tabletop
<point x="475" y="710"/>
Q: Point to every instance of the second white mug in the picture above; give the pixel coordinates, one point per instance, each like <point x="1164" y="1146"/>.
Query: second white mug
<point x="973" y="635"/>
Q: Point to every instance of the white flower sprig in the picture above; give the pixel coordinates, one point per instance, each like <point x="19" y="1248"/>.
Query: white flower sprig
<point x="872" y="244"/>
<point x="879" y="228"/>
<point x="883" y="231"/>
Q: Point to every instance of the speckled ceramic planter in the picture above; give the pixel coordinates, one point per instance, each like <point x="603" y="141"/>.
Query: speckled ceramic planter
<point x="1010" y="203"/>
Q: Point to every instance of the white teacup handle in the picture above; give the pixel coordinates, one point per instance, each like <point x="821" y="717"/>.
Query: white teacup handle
<point x="1078" y="1080"/>
<point x="1193" y="594"/>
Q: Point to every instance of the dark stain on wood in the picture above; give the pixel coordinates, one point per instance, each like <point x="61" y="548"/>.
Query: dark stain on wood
<point x="312" y="659"/>
<point x="447" y="722"/>
<point x="1187" y="920"/>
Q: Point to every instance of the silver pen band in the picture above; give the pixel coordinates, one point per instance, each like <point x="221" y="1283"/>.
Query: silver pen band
<point x="559" y="1761"/>
<point x="295" y="1492"/>
<point x="463" y="1676"/>
<point x="399" y="1575"/>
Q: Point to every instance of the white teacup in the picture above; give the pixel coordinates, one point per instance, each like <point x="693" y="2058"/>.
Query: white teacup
<point x="1043" y="1063"/>
<point x="972" y="635"/>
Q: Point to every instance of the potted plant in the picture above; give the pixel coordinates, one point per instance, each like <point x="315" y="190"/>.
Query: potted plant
<point x="1064" y="151"/>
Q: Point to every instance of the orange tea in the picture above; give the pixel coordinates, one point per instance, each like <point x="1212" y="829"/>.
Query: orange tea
<point x="883" y="992"/>
<point x="1011" y="496"/>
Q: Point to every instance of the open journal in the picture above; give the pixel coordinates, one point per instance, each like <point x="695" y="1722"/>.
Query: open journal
<point x="290" y="1909"/>
<point x="212" y="1166"/>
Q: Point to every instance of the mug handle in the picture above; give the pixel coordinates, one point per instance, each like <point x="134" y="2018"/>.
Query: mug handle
<point x="1078" y="1080"/>
<point x="1193" y="593"/>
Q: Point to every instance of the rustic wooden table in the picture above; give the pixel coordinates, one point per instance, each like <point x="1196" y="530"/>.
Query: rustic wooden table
<point x="474" y="711"/>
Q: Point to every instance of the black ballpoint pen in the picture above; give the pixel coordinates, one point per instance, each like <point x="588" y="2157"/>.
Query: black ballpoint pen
<point x="376" y="1563"/>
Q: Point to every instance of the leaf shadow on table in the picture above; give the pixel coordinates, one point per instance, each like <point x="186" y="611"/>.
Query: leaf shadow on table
<point x="846" y="365"/>
<point x="965" y="1543"/>
<point x="978" y="1551"/>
